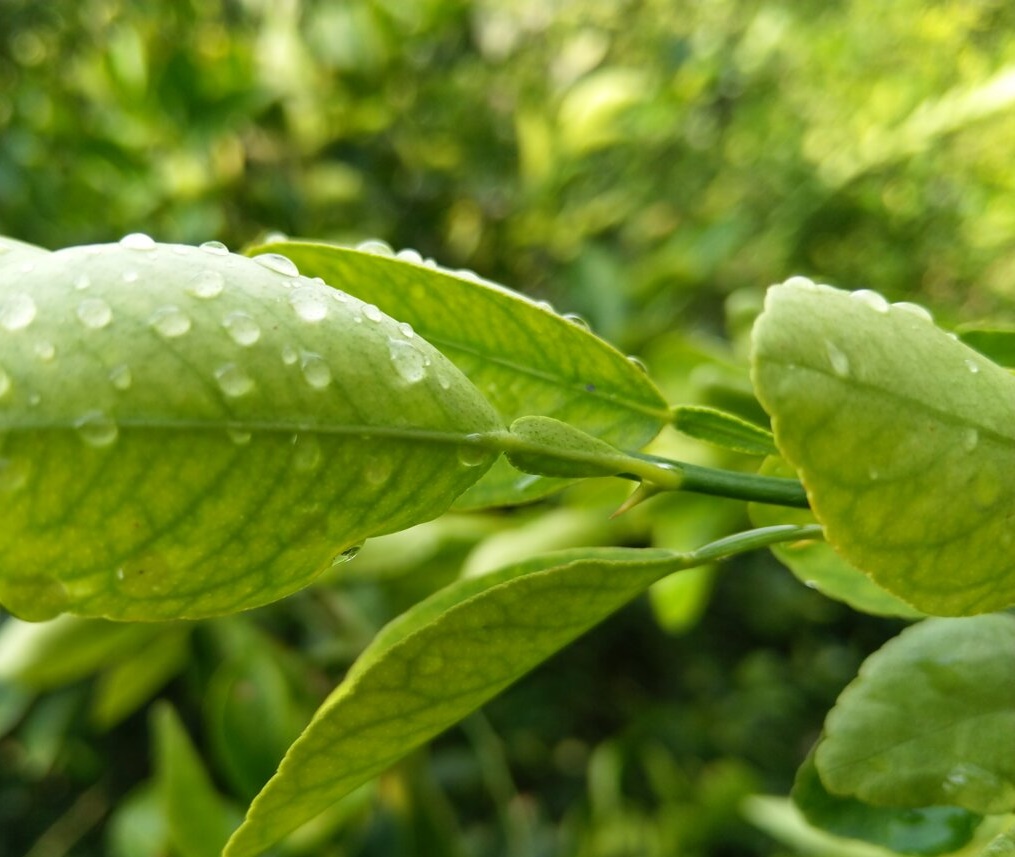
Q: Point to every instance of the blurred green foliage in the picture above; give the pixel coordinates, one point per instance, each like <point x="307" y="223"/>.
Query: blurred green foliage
<point x="650" y="164"/>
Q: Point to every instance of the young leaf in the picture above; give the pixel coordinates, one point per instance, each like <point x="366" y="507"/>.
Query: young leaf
<point x="901" y="435"/>
<point x="723" y="429"/>
<point x="929" y="720"/>
<point x="186" y="432"/>
<point x="525" y="358"/>
<point x="926" y="831"/>
<point x="447" y="656"/>
<point x="553" y="448"/>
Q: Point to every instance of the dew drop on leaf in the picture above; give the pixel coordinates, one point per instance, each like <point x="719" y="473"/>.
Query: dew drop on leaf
<point x="94" y="313"/>
<point x="96" y="428"/>
<point x="239" y="436"/>
<point x="137" y="241"/>
<point x="17" y="312"/>
<point x="45" y="350"/>
<point x="378" y="470"/>
<point x="410" y="255"/>
<point x="308" y="304"/>
<point x="916" y="310"/>
<point x="316" y="371"/>
<point x="346" y="555"/>
<point x="838" y="359"/>
<point x="577" y="320"/>
<point x="372" y="313"/>
<point x="242" y="328"/>
<point x="409" y="363"/>
<point x="972" y="366"/>
<point x="206" y="284"/>
<point x="170" y="322"/>
<point x="82" y="282"/>
<point x="289" y="355"/>
<point x="470" y="453"/>
<point x="970" y="439"/>
<point x="233" y="381"/>
<point x="278" y="263"/>
<point x="405" y="329"/>
<point x="121" y="377"/>
<point x="872" y="299"/>
<point x="638" y="363"/>
<point x="216" y="248"/>
<point x="306" y="452"/>
<point x="375" y="248"/>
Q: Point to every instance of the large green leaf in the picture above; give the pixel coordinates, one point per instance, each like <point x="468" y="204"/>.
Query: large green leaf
<point x="445" y="657"/>
<point x="903" y="437"/>
<point x="186" y="432"/>
<point x="930" y="720"/>
<point x="527" y="359"/>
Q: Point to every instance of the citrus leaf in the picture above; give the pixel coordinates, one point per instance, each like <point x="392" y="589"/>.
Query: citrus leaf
<point x="926" y="831"/>
<point x="902" y="437"/>
<point x="444" y="658"/>
<point x="186" y="432"/>
<point x="929" y="720"/>
<point x="554" y="448"/>
<point x="525" y="358"/>
<point x="723" y="429"/>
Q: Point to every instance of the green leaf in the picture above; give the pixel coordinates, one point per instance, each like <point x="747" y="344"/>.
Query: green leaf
<point x="901" y="435"/>
<point x="927" y="831"/>
<point x="444" y="658"/>
<point x="552" y="448"/>
<point x="817" y="565"/>
<point x="185" y="432"/>
<point x="198" y="819"/>
<point x="723" y="429"/>
<point x="525" y="358"/>
<point x="1002" y="846"/>
<point x="929" y="720"/>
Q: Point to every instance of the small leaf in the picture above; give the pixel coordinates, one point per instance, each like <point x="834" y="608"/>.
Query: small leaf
<point x="525" y="358"/>
<point x="444" y="658"/>
<point x="926" y="831"/>
<point x="553" y="448"/>
<point x="185" y="432"/>
<point x="199" y="821"/>
<point x="723" y="429"/>
<point x="902" y="437"/>
<point x="929" y="720"/>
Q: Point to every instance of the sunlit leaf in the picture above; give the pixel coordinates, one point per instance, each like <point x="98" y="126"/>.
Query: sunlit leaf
<point x="187" y="432"/>
<point x="929" y="721"/>
<point x="901" y="435"/>
<point x="445" y="657"/>
<point x="525" y="358"/>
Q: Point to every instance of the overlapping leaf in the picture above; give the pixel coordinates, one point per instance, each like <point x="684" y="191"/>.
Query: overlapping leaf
<point x="525" y="358"/>
<point x="186" y="432"/>
<point x="903" y="437"/>
<point x="447" y="656"/>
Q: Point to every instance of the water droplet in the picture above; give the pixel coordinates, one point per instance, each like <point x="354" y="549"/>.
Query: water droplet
<point x="410" y="255"/>
<point x="838" y="359"/>
<point x="874" y="474"/>
<point x="94" y="313"/>
<point x="278" y="263"/>
<point x="289" y="355"/>
<point x="375" y="248"/>
<point x="239" y="436"/>
<point x="45" y="350"/>
<point x="638" y="363"/>
<point x="170" y="322"/>
<point x="242" y="328"/>
<point x="916" y="310"/>
<point x="871" y="299"/>
<point x="972" y="366"/>
<point x="121" y="377"/>
<point x="96" y="428"/>
<point x="145" y="576"/>
<point x="82" y="282"/>
<point x="346" y="555"/>
<point x="216" y="248"/>
<point x="130" y="276"/>
<point x="5" y="383"/>
<point x="799" y="282"/>
<point x="13" y="475"/>
<point x="406" y="330"/>
<point x="577" y="320"/>
<point x="306" y="452"/>
<point x="409" y="363"/>
<point x="206" y="284"/>
<point x="372" y="313"/>
<point x="338" y="296"/>
<point x="17" y="311"/>
<point x="137" y="241"/>
<point x="233" y="381"/>
<point x="970" y="439"/>
<point x="471" y="453"/>
<point x="308" y="303"/>
<point x="811" y="584"/>
<point x="315" y="370"/>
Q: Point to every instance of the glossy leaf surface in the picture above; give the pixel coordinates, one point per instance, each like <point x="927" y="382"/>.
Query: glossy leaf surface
<point x="527" y="359"/>
<point x="187" y="432"/>
<point x="929" y="720"/>
<point x="902" y="436"/>
<point x="444" y="658"/>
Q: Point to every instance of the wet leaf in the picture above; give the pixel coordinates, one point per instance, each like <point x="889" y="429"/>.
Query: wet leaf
<point x="185" y="432"/>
